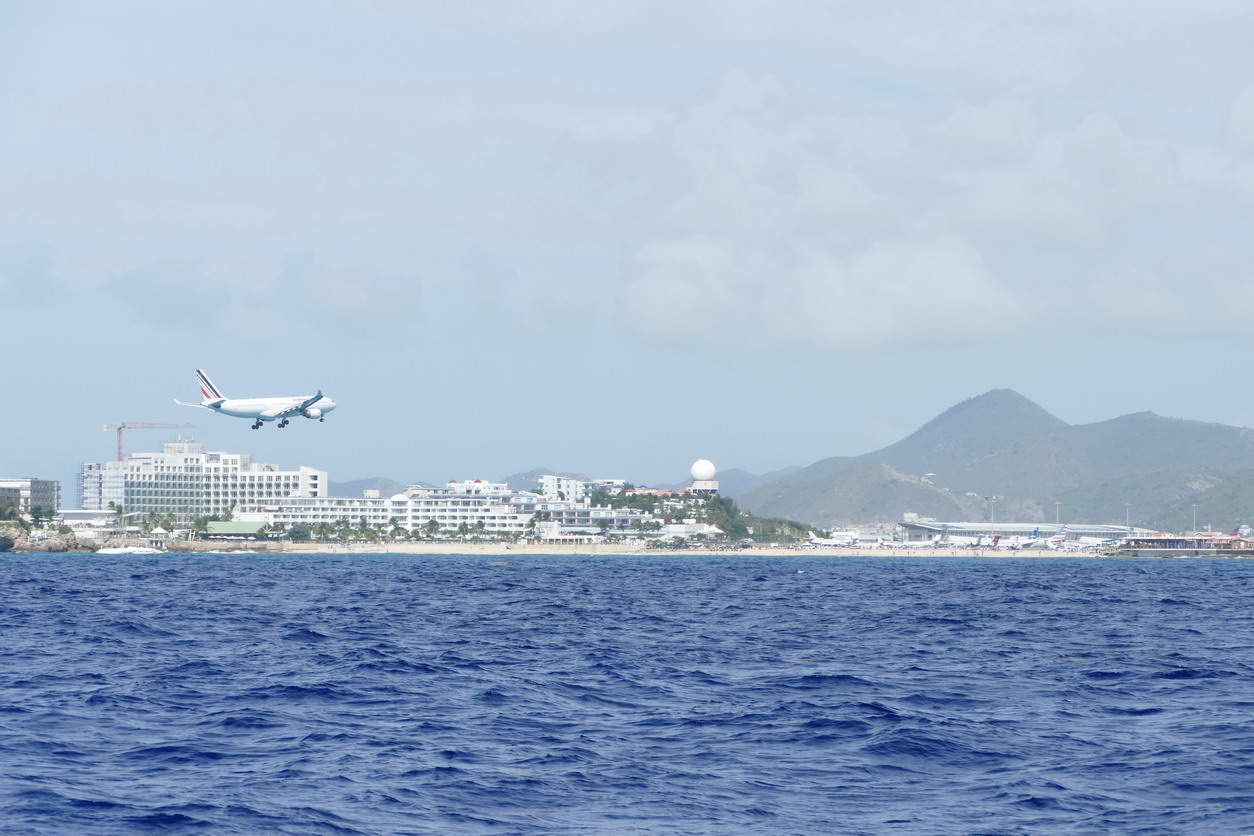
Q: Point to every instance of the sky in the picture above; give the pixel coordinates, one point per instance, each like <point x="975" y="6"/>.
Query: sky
<point x="615" y="237"/>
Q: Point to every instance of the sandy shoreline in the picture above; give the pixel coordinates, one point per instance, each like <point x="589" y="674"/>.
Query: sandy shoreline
<point x="599" y="550"/>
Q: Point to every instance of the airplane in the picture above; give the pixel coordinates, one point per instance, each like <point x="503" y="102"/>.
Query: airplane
<point x="934" y="543"/>
<point x="838" y="538"/>
<point x="1058" y="539"/>
<point x="974" y="540"/>
<point x="1033" y="541"/>
<point x="260" y="409"/>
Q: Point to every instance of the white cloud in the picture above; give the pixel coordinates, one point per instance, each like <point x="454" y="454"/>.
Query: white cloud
<point x="787" y="151"/>
<point x="1243" y="174"/>
<point x="1241" y="120"/>
<point x="1132" y="296"/>
<point x="775" y="239"/>
<point x="989" y="134"/>
<point x="685" y="291"/>
<point x="934" y="290"/>
<point x="898" y="228"/>
<point x="1115" y="169"/>
<point x="597" y="124"/>
<point x="1029" y="205"/>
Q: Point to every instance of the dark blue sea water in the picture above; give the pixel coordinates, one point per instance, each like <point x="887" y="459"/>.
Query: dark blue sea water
<point x="406" y="694"/>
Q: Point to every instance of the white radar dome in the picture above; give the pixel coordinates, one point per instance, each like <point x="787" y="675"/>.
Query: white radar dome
<point x="703" y="470"/>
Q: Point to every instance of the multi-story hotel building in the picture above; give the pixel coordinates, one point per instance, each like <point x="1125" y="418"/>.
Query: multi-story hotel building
<point x="32" y="493"/>
<point x="186" y="481"/>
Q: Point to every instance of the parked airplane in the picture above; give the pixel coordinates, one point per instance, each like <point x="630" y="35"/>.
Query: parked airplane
<point x="838" y="538"/>
<point x="261" y="409"/>
<point x="975" y="540"/>
<point x="1058" y="539"/>
<point x="1032" y="541"/>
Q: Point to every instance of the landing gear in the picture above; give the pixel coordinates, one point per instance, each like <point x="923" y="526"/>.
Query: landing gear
<point x="284" y="423"/>
<point x="320" y="420"/>
<point x="257" y="424"/>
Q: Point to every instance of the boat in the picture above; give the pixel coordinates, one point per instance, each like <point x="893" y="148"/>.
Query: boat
<point x="129" y="550"/>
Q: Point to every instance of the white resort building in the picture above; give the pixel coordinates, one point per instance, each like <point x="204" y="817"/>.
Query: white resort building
<point x="186" y="481"/>
<point x="493" y="504"/>
<point x="27" y="494"/>
<point x="491" y="508"/>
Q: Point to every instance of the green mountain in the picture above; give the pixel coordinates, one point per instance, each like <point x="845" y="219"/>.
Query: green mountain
<point x="530" y="480"/>
<point x="385" y="487"/>
<point x="1000" y="455"/>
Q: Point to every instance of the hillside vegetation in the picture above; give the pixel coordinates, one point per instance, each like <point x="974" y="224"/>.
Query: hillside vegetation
<point x="1144" y="468"/>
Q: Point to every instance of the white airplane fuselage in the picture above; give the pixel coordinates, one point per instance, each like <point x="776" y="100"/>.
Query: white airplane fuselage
<point x="838" y="538"/>
<point x="314" y="407"/>
<point x="266" y="409"/>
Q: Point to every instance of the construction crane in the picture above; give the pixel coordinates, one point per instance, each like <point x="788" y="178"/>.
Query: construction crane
<point x="139" y="425"/>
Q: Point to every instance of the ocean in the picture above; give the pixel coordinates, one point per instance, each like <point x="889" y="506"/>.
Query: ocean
<point x="404" y="694"/>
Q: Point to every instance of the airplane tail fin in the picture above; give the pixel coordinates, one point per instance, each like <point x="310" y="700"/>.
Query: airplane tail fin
<point x="207" y="389"/>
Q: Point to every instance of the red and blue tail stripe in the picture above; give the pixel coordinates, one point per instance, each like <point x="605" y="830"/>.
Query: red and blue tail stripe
<point x="207" y="389"/>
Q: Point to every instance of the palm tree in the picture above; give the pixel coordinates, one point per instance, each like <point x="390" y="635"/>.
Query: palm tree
<point x="200" y="524"/>
<point x="343" y="528"/>
<point x="119" y="516"/>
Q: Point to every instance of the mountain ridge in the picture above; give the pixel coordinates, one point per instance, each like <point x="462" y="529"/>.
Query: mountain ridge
<point x="1001" y="454"/>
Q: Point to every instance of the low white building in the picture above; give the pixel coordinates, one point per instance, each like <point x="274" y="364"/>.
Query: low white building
<point x="472" y="506"/>
<point x="490" y="507"/>
<point x="89" y="525"/>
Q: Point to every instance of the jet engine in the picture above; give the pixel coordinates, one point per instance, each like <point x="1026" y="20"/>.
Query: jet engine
<point x="311" y="413"/>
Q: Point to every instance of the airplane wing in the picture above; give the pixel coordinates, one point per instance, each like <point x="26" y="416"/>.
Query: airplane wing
<point x="294" y="410"/>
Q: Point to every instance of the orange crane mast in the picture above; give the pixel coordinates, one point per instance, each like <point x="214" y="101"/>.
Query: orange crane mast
<point x="140" y="425"/>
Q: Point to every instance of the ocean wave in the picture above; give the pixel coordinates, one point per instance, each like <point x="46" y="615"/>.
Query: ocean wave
<point x="249" y="694"/>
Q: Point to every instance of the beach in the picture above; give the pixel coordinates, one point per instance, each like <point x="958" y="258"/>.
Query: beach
<point x="497" y="549"/>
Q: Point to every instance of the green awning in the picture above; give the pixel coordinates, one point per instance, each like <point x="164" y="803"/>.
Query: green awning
<point x="237" y="528"/>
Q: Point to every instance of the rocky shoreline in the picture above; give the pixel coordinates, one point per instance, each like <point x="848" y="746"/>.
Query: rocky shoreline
<point x="14" y="539"/>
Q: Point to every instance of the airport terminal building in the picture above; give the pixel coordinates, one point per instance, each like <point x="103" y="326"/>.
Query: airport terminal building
<point x="923" y="531"/>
